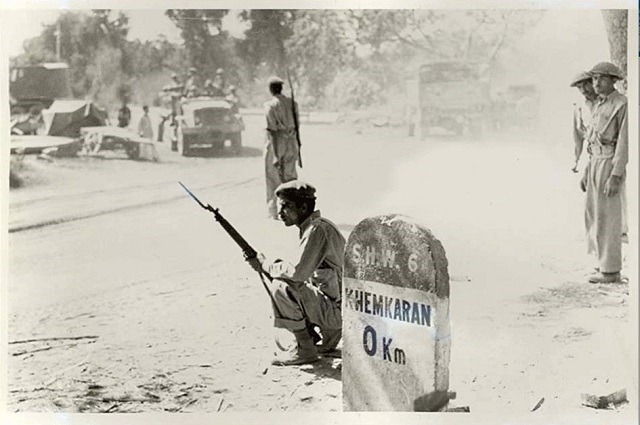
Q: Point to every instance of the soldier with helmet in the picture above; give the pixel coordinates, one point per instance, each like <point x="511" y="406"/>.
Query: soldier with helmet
<point x="192" y="85"/>
<point x="309" y="291"/>
<point x="582" y="113"/>
<point x="281" y="150"/>
<point x="603" y="181"/>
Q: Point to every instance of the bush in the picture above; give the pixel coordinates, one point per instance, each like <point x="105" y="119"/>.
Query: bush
<point x="16" y="168"/>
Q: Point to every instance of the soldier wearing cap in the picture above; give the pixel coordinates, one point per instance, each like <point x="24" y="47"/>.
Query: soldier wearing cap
<point x="582" y="113"/>
<point x="281" y="148"/>
<point x="603" y="181"/>
<point x="309" y="290"/>
<point x="192" y="85"/>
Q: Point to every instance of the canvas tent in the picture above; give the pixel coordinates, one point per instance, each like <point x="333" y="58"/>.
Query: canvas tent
<point x="66" y="117"/>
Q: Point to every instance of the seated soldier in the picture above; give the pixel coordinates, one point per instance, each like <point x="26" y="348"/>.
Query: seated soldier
<point x="307" y="293"/>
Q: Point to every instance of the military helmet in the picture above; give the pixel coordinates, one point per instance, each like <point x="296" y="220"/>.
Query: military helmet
<point x="607" y="68"/>
<point x="232" y="88"/>
<point x="219" y="71"/>
<point x="275" y="80"/>
<point x="193" y="70"/>
<point x="580" y="78"/>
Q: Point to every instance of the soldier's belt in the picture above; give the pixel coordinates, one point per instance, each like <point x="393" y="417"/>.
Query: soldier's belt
<point x="601" y="151"/>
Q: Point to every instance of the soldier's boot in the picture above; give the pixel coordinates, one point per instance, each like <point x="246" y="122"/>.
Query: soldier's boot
<point x="304" y="353"/>
<point x="605" y="278"/>
<point x="330" y="340"/>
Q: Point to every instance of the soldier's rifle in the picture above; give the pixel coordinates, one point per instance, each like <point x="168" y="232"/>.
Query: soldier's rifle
<point x="247" y="249"/>
<point x="296" y="124"/>
<point x="248" y="252"/>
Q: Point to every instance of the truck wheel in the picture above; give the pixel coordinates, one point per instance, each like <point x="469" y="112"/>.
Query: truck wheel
<point x="236" y="143"/>
<point x="133" y="150"/>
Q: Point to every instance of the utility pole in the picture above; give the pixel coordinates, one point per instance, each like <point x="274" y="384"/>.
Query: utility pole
<point x="58" y="35"/>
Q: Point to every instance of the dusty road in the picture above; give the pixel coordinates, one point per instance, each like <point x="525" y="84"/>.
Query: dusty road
<point x="167" y="317"/>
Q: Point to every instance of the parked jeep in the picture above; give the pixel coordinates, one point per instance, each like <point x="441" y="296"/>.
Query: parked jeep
<point x="205" y="123"/>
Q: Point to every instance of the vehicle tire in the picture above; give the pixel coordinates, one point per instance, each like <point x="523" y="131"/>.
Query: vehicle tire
<point x="133" y="150"/>
<point x="236" y="143"/>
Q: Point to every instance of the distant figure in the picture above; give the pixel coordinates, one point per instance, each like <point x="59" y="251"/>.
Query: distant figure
<point x="281" y="148"/>
<point x="582" y="113"/>
<point x="145" y="130"/>
<point x="124" y="115"/>
<point x="192" y="85"/>
<point x="213" y="90"/>
<point x="234" y="100"/>
<point x="603" y="182"/>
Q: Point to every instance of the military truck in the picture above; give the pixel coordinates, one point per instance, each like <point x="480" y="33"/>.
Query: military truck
<point x="42" y="102"/>
<point x="38" y="85"/>
<point x="452" y="95"/>
<point x="205" y="123"/>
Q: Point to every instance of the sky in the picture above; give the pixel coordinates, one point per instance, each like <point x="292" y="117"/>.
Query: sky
<point x="21" y="25"/>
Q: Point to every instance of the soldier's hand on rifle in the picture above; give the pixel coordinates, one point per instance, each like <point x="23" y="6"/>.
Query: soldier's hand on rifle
<point x="256" y="262"/>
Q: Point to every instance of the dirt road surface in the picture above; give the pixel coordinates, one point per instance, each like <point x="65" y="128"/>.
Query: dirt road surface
<point x="124" y="296"/>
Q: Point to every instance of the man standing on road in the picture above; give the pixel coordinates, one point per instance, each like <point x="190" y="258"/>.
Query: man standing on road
<point x="307" y="292"/>
<point x="603" y="181"/>
<point x="281" y="148"/>
<point x="124" y="115"/>
<point x="582" y="113"/>
<point x="145" y="130"/>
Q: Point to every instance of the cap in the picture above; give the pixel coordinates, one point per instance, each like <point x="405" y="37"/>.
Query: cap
<point x="275" y="80"/>
<point x="580" y="78"/>
<point x="296" y="190"/>
<point x="192" y="69"/>
<point x="219" y="71"/>
<point x="606" y="68"/>
<point x="232" y="88"/>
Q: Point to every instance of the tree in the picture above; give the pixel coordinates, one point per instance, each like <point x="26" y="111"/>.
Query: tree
<point x="207" y="44"/>
<point x="321" y="45"/>
<point x="264" y="44"/>
<point x="470" y="35"/>
<point x="615" y="23"/>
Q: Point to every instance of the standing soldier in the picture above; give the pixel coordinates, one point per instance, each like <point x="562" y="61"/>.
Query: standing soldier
<point x="192" y="85"/>
<point x="582" y="113"/>
<point x="145" y="130"/>
<point x="309" y="291"/>
<point x="124" y="115"/>
<point x="603" y="181"/>
<point x="281" y="149"/>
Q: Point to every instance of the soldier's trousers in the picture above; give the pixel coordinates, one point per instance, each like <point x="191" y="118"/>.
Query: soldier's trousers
<point x="604" y="216"/>
<point x="304" y="302"/>
<point x="288" y="155"/>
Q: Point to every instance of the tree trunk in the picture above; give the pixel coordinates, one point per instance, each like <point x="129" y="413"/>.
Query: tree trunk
<point x="615" y="23"/>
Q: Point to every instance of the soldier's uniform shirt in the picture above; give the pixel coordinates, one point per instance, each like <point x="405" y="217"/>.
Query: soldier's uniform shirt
<point x="312" y="287"/>
<point x="608" y="147"/>
<point x="581" y="121"/>
<point x="281" y="132"/>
